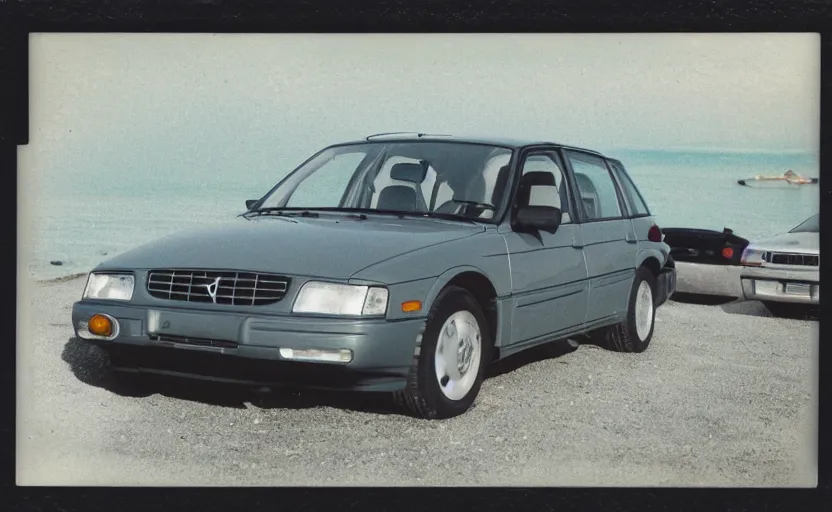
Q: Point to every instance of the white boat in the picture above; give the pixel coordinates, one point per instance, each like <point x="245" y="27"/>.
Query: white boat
<point x="789" y="177"/>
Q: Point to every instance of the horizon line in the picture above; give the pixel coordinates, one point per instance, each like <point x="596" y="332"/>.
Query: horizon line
<point x="701" y="149"/>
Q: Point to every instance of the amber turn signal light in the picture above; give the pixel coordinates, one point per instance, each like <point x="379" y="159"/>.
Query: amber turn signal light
<point x="411" y="306"/>
<point x="727" y="253"/>
<point x="100" y="325"/>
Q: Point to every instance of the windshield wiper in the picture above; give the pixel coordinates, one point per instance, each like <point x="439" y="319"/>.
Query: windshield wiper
<point x="446" y="216"/>
<point x="484" y="206"/>
<point x="283" y="212"/>
<point x="404" y="213"/>
<point x="360" y="213"/>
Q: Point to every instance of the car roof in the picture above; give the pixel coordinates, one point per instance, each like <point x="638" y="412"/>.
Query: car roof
<point x="507" y="142"/>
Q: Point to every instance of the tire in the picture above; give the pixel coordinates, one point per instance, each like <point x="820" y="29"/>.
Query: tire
<point x="631" y="335"/>
<point x="424" y="396"/>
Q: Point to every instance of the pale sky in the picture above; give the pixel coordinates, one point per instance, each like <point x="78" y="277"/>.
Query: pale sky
<point x="239" y="99"/>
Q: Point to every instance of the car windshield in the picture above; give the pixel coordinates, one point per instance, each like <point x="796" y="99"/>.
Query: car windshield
<point x="810" y="225"/>
<point x="420" y="177"/>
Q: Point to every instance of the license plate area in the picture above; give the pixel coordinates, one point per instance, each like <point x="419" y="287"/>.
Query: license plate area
<point x="198" y="326"/>
<point x="799" y="289"/>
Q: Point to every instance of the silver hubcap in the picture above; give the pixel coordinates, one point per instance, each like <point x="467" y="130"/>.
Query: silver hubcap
<point x="458" y="352"/>
<point x="644" y="310"/>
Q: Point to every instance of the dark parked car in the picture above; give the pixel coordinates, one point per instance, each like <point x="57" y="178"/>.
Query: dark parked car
<point x="398" y="263"/>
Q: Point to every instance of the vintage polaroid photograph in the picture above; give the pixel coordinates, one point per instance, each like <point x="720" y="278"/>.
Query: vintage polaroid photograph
<point x="419" y="260"/>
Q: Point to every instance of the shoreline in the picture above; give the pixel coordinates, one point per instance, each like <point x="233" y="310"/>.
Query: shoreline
<point x="62" y="279"/>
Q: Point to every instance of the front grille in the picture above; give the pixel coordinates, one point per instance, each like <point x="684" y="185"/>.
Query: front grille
<point x="788" y="258"/>
<point x="189" y="340"/>
<point x="227" y="287"/>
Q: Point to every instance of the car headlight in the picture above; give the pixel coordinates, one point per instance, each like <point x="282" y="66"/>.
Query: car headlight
<point x="109" y="286"/>
<point x="752" y="257"/>
<point x="341" y="299"/>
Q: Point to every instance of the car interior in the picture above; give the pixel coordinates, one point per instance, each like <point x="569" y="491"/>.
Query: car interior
<point x="441" y="183"/>
<point x="589" y="196"/>
<point x="404" y="188"/>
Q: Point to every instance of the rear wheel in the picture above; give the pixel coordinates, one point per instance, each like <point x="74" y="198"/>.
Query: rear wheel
<point x="636" y="331"/>
<point x="454" y="354"/>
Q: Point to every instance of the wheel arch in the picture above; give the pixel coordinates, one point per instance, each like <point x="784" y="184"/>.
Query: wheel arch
<point x="652" y="260"/>
<point x="478" y="284"/>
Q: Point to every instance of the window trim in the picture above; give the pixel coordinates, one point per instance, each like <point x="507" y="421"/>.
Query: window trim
<point x="623" y="215"/>
<point x="628" y="208"/>
<point x="624" y="177"/>
<point x="553" y="153"/>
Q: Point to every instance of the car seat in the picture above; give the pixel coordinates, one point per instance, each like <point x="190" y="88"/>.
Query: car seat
<point x="405" y="191"/>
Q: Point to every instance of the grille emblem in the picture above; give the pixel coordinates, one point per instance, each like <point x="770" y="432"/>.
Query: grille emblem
<point x="212" y="289"/>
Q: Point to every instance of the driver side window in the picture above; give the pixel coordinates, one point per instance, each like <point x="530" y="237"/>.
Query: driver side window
<point x="325" y="186"/>
<point x="548" y="188"/>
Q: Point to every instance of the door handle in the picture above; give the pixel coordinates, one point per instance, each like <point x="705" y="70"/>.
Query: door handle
<point x="630" y="238"/>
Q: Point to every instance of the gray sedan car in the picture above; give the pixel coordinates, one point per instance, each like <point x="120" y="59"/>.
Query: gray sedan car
<point x="402" y="263"/>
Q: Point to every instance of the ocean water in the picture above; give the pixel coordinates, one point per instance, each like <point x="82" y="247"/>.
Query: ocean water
<point x="83" y="217"/>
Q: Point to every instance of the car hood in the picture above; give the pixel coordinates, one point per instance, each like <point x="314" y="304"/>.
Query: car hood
<point x="329" y="246"/>
<point x="791" y="242"/>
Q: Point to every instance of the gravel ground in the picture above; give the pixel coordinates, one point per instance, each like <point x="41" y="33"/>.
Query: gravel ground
<point x="724" y="396"/>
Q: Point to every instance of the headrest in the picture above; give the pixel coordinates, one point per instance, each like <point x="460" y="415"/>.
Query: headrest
<point x="538" y="179"/>
<point x="413" y="173"/>
<point x="397" y="197"/>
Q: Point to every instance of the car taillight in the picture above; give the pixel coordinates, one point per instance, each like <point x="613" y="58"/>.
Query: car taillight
<point x="655" y="234"/>
<point x="727" y="253"/>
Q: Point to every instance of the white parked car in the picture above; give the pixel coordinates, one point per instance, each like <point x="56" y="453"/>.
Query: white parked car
<point x="784" y="271"/>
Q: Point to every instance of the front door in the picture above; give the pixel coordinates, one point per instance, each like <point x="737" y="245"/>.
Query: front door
<point x="548" y="271"/>
<point x="610" y="244"/>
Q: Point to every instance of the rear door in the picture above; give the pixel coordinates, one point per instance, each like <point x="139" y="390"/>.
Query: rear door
<point x="609" y="240"/>
<point x="548" y="271"/>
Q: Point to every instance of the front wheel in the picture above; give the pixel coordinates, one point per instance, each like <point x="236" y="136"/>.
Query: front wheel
<point x="454" y="354"/>
<point x="636" y="331"/>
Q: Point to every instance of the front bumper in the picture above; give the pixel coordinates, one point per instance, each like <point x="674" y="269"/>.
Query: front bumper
<point x="227" y="346"/>
<point x="665" y="285"/>
<point x="707" y="279"/>
<point x="778" y="285"/>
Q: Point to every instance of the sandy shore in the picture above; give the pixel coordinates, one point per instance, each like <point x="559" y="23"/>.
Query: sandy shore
<point x="724" y="396"/>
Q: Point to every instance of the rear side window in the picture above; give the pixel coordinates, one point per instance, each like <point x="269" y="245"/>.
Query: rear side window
<point x="599" y="196"/>
<point x="630" y="190"/>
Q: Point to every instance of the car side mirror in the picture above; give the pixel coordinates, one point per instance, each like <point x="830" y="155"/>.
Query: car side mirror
<point x="250" y="203"/>
<point x="541" y="218"/>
